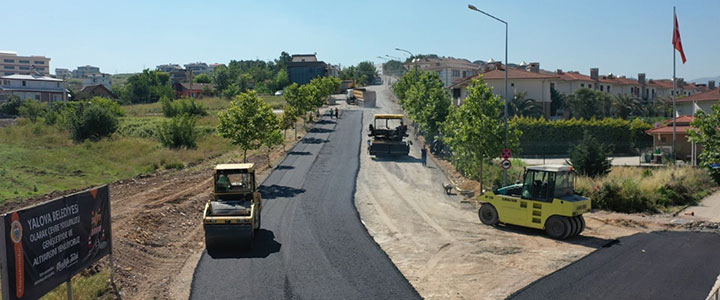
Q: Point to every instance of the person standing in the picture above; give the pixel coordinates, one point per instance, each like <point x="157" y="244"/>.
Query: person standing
<point x="423" y="155"/>
<point x="337" y="113"/>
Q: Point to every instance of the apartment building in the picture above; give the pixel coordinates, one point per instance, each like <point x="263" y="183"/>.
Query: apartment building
<point x="11" y="63"/>
<point x="85" y="71"/>
<point x="450" y="70"/>
<point x="95" y="79"/>
<point x="38" y="87"/>
<point x="167" y="68"/>
<point x="62" y="73"/>
<point x="198" y="68"/>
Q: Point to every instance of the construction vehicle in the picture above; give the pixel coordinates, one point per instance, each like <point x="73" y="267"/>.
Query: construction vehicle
<point x="545" y="199"/>
<point x="387" y="135"/>
<point x="232" y="216"/>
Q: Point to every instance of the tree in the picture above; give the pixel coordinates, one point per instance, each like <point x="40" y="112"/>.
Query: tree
<point x="706" y="132"/>
<point x="394" y="68"/>
<point x="625" y="106"/>
<point x="272" y="136"/>
<point x="428" y="103"/>
<point x="95" y="119"/>
<point x="525" y="107"/>
<point x="588" y="103"/>
<point x="475" y="131"/>
<point x="590" y="157"/>
<point x="31" y="110"/>
<point x="223" y="78"/>
<point x="203" y="78"/>
<point x="246" y="121"/>
<point x="405" y="82"/>
<point x="283" y="61"/>
<point x="288" y="120"/>
<point x="147" y="87"/>
<point x="282" y="79"/>
<point x="366" y="73"/>
<point x="557" y="101"/>
<point x="178" y="132"/>
<point x="12" y="106"/>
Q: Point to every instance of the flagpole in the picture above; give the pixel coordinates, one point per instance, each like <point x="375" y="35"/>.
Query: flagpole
<point x="674" y="113"/>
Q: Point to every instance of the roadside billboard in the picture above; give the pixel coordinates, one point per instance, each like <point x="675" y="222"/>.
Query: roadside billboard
<point x="45" y="245"/>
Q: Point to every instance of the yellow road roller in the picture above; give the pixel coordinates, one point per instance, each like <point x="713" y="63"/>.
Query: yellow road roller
<point x="232" y="216"/>
<point x="545" y="199"/>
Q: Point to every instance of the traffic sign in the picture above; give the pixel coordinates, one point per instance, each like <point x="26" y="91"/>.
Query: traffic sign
<point x="506" y="153"/>
<point x="715" y="166"/>
<point x="506" y="164"/>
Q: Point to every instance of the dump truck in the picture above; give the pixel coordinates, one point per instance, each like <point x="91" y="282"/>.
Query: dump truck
<point x="232" y="216"/>
<point x="387" y="135"/>
<point x="545" y="200"/>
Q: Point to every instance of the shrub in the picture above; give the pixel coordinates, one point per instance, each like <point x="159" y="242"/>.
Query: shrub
<point x="182" y="106"/>
<point x="590" y="157"/>
<point x="178" y="132"/>
<point x="10" y="108"/>
<point x="93" y="120"/>
<point x="31" y="110"/>
<point x="546" y="137"/>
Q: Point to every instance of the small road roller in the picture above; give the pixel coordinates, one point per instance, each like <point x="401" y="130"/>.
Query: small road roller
<point x="545" y="199"/>
<point x="232" y="216"/>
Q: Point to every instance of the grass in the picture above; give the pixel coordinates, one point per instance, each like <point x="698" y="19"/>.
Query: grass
<point x="634" y="189"/>
<point x="276" y="102"/>
<point x="90" y="287"/>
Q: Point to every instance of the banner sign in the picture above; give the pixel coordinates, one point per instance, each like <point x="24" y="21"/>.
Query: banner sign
<point x="45" y="245"/>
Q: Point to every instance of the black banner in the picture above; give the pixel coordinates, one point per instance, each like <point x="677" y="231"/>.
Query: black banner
<point x="45" y="245"/>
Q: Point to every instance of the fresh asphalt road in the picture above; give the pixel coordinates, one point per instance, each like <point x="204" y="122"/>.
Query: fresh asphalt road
<point x="312" y="244"/>
<point x="656" y="265"/>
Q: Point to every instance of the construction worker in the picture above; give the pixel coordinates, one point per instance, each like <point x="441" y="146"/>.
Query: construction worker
<point x="223" y="183"/>
<point x="423" y="155"/>
<point x="337" y="113"/>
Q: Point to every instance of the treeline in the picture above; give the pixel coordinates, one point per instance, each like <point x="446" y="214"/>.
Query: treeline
<point x="364" y="73"/>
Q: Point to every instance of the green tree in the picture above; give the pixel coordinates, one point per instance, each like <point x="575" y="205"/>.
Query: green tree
<point x="147" y="87"/>
<point x="222" y="78"/>
<point x="706" y="132"/>
<point x="246" y="121"/>
<point x="590" y="157"/>
<point x="273" y="136"/>
<point x="427" y="101"/>
<point x="557" y="101"/>
<point x="394" y="68"/>
<point x="203" y="78"/>
<point x="95" y="119"/>
<point x="625" y="106"/>
<point x="475" y="131"/>
<point x="32" y="109"/>
<point x="406" y="81"/>
<point x="288" y="121"/>
<point x="522" y="106"/>
<point x="366" y="73"/>
<point x="282" y="79"/>
<point x="588" y="103"/>
<point x="12" y="106"/>
<point x="178" y="132"/>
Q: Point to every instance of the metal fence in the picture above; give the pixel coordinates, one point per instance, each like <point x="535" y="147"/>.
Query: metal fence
<point x="715" y="291"/>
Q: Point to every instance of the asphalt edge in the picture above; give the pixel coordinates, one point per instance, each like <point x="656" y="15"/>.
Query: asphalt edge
<point x="357" y="213"/>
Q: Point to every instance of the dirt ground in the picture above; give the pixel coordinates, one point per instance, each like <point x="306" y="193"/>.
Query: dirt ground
<point x="439" y="244"/>
<point x="157" y="224"/>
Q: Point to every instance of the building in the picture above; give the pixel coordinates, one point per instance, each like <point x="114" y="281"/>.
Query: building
<point x="182" y="75"/>
<point x="95" y="79"/>
<point x="663" y="137"/>
<point x="305" y="67"/>
<point x="98" y="90"/>
<point x="38" y="87"/>
<point x="450" y="70"/>
<point x="198" y="68"/>
<point x="62" y="73"/>
<point x="194" y="90"/>
<point x="531" y="81"/>
<point x="211" y="67"/>
<point x="702" y="101"/>
<point x="85" y="71"/>
<point x="167" y="68"/>
<point x="11" y="63"/>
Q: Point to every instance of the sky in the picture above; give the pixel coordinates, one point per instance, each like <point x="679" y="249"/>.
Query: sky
<point x="619" y="37"/>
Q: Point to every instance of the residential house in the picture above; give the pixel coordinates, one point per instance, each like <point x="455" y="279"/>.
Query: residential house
<point x="11" y="63"/>
<point x="305" y="67"/>
<point x="211" y="67"/>
<point x="702" y="101"/>
<point x="193" y="90"/>
<point x="167" y="68"/>
<point x="97" y="90"/>
<point x="95" y="79"/>
<point x="38" y="87"/>
<point x="450" y="70"/>
<point x="663" y="137"/>
<point x="531" y="81"/>
<point x="198" y="68"/>
<point x="85" y="71"/>
<point x="62" y="73"/>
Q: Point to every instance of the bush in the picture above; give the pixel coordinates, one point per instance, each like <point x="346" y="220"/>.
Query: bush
<point x="590" y="157"/>
<point x="93" y="120"/>
<point x="182" y="106"/>
<point x="178" y="132"/>
<point x="32" y="109"/>
<point x="11" y="107"/>
<point x="545" y="137"/>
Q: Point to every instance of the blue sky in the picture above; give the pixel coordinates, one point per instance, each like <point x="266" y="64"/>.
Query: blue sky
<point x="622" y="37"/>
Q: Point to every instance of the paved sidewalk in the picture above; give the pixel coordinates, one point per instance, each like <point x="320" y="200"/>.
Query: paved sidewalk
<point x="708" y="209"/>
<point x="616" y="161"/>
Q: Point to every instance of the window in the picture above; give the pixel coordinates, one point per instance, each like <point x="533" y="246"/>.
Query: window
<point x="24" y="83"/>
<point x="9" y="73"/>
<point x="608" y="88"/>
<point x="601" y="87"/>
<point x="24" y="68"/>
<point x="9" y="67"/>
<point x="455" y="73"/>
<point x="9" y="60"/>
<point x="24" y="61"/>
<point x="464" y="73"/>
<point x="41" y="69"/>
<point x="582" y="85"/>
<point x="39" y="62"/>
<point x="552" y="85"/>
<point x="512" y="84"/>
<point x="456" y="93"/>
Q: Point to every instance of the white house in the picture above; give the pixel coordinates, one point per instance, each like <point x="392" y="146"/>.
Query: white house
<point x="95" y="79"/>
<point x="450" y="70"/>
<point x="38" y="87"/>
<point x="704" y="102"/>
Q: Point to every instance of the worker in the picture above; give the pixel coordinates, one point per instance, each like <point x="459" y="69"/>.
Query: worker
<point x="337" y="113"/>
<point x="331" y="113"/>
<point x="223" y="183"/>
<point x="423" y="155"/>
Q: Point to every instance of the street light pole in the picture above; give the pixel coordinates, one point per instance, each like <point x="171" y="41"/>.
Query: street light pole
<point x="411" y="55"/>
<point x="507" y="95"/>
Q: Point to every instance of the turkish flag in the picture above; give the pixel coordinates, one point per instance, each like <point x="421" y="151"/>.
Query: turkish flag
<point x="677" y="42"/>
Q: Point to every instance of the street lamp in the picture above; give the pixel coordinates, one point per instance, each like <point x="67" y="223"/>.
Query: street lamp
<point x="507" y="96"/>
<point x="393" y="57"/>
<point x="380" y="57"/>
<point x="411" y="55"/>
